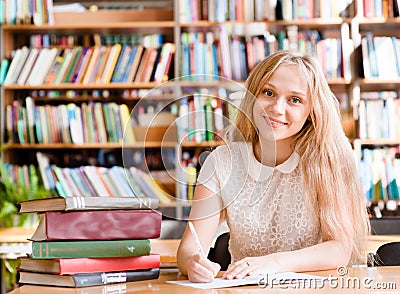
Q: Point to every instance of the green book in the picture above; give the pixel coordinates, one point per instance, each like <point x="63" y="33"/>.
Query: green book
<point x="3" y="69"/>
<point x="77" y="53"/>
<point x="89" y="249"/>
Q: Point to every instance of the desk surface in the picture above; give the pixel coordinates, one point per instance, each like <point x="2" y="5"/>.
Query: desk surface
<point x="357" y="280"/>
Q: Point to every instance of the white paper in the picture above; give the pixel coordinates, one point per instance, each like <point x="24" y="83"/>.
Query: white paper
<point x="262" y="280"/>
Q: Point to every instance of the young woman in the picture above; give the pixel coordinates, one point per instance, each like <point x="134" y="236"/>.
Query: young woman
<point x="287" y="185"/>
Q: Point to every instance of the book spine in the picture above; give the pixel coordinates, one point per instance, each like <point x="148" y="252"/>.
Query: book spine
<point x="117" y="277"/>
<point x="89" y="249"/>
<point x="69" y="266"/>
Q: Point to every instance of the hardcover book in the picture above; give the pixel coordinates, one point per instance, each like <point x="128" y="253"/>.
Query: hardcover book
<point x="85" y="280"/>
<point x="89" y="249"/>
<point x="70" y="266"/>
<point x="98" y="225"/>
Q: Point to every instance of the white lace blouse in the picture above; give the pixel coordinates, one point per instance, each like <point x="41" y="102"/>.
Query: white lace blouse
<point x="264" y="206"/>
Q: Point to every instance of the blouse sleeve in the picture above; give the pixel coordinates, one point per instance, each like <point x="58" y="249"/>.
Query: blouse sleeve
<point x="208" y="173"/>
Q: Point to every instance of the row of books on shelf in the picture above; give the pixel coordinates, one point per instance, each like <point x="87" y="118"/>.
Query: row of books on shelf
<point x="225" y="10"/>
<point x="100" y="181"/>
<point x="41" y="40"/>
<point x="98" y="244"/>
<point x="379" y="171"/>
<point x="203" y="116"/>
<point x="90" y="65"/>
<point x="91" y="122"/>
<point x="380" y="57"/>
<point x="37" y="12"/>
<point x="379" y="115"/>
<point x="234" y="56"/>
<point x="379" y="8"/>
<point x="200" y="117"/>
<point x="259" y="10"/>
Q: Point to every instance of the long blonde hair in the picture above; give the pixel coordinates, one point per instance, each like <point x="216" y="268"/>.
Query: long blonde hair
<point x="331" y="182"/>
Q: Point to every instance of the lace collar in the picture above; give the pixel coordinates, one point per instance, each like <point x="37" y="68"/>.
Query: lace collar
<point x="260" y="172"/>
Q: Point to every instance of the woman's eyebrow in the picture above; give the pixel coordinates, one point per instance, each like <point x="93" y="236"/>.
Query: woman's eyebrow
<point x="300" y="93"/>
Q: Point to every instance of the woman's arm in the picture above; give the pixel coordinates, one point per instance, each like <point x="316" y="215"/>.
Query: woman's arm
<point x="326" y="255"/>
<point x="205" y="215"/>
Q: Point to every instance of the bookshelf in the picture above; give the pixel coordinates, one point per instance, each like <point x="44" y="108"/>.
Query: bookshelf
<point x="68" y="32"/>
<point x="375" y="35"/>
<point x="336" y="38"/>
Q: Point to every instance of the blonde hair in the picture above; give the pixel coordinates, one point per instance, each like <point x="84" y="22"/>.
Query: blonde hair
<point x="331" y="182"/>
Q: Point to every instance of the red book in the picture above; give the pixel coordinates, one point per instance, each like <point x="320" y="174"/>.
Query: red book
<point x="98" y="225"/>
<point x="70" y="266"/>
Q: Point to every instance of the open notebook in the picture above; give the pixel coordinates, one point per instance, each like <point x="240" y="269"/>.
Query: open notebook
<point x="262" y="280"/>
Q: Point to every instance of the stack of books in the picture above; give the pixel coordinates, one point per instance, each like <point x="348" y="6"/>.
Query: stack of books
<point x="91" y="241"/>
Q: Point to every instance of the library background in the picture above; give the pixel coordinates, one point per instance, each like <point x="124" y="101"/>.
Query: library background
<point x="126" y="98"/>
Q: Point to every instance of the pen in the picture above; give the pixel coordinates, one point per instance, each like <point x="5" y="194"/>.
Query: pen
<point x="196" y="239"/>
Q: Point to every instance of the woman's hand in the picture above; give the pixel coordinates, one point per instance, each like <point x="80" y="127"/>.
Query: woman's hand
<point x="249" y="266"/>
<point x="201" y="270"/>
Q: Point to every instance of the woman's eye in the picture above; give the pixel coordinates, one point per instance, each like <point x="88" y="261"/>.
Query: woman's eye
<point x="296" y="100"/>
<point x="268" y="92"/>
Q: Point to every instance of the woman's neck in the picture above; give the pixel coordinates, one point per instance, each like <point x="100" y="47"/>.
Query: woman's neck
<point x="262" y="151"/>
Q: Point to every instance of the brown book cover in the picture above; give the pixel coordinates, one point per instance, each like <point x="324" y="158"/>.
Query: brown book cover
<point x="98" y="225"/>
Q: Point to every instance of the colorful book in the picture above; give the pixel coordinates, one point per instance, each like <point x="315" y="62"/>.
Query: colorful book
<point x="111" y="63"/>
<point x="126" y="123"/>
<point x="55" y="67"/>
<point x="122" y="63"/>
<point x="92" y="64"/>
<point x="70" y="266"/>
<point x="67" y="58"/>
<point x="28" y="65"/>
<point x="16" y="65"/>
<point x="42" y="66"/>
<point x="98" y="225"/>
<point x="89" y="249"/>
<point x="83" y="64"/>
<point x="77" y="55"/>
<point x="85" y="280"/>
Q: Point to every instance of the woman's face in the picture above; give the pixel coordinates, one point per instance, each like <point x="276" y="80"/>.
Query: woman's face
<point x="284" y="105"/>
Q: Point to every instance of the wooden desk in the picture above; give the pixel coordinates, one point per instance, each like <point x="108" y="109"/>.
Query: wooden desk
<point x="167" y="249"/>
<point x="369" y="278"/>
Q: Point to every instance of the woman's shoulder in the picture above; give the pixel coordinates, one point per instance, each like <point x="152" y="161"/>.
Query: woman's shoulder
<point x="229" y="147"/>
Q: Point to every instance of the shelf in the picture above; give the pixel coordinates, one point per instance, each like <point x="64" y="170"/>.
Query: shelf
<point x="311" y="23"/>
<point x="90" y="145"/>
<point x="381" y="142"/>
<point x="72" y="86"/>
<point x="84" y="98"/>
<point x="84" y="26"/>
<point x="314" y="23"/>
<point x="379" y="84"/>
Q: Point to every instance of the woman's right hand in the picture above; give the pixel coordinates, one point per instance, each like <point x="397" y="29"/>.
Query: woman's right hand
<point x="201" y="270"/>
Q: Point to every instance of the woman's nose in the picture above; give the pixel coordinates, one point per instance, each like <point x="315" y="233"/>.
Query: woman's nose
<point x="278" y="105"/>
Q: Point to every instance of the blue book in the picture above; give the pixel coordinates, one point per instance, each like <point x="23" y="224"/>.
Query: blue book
<point x="397" y="54"/>
<point x="122" y="58"/>
<point x="76" y="177"/>
<point x="2" y="12"/>
<point x="3" y="70"/>
<point x="38" y="126"/>
<point x="118" y="174"/>
<point x="126" y="70"/>
<point x="372" y="55"/>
